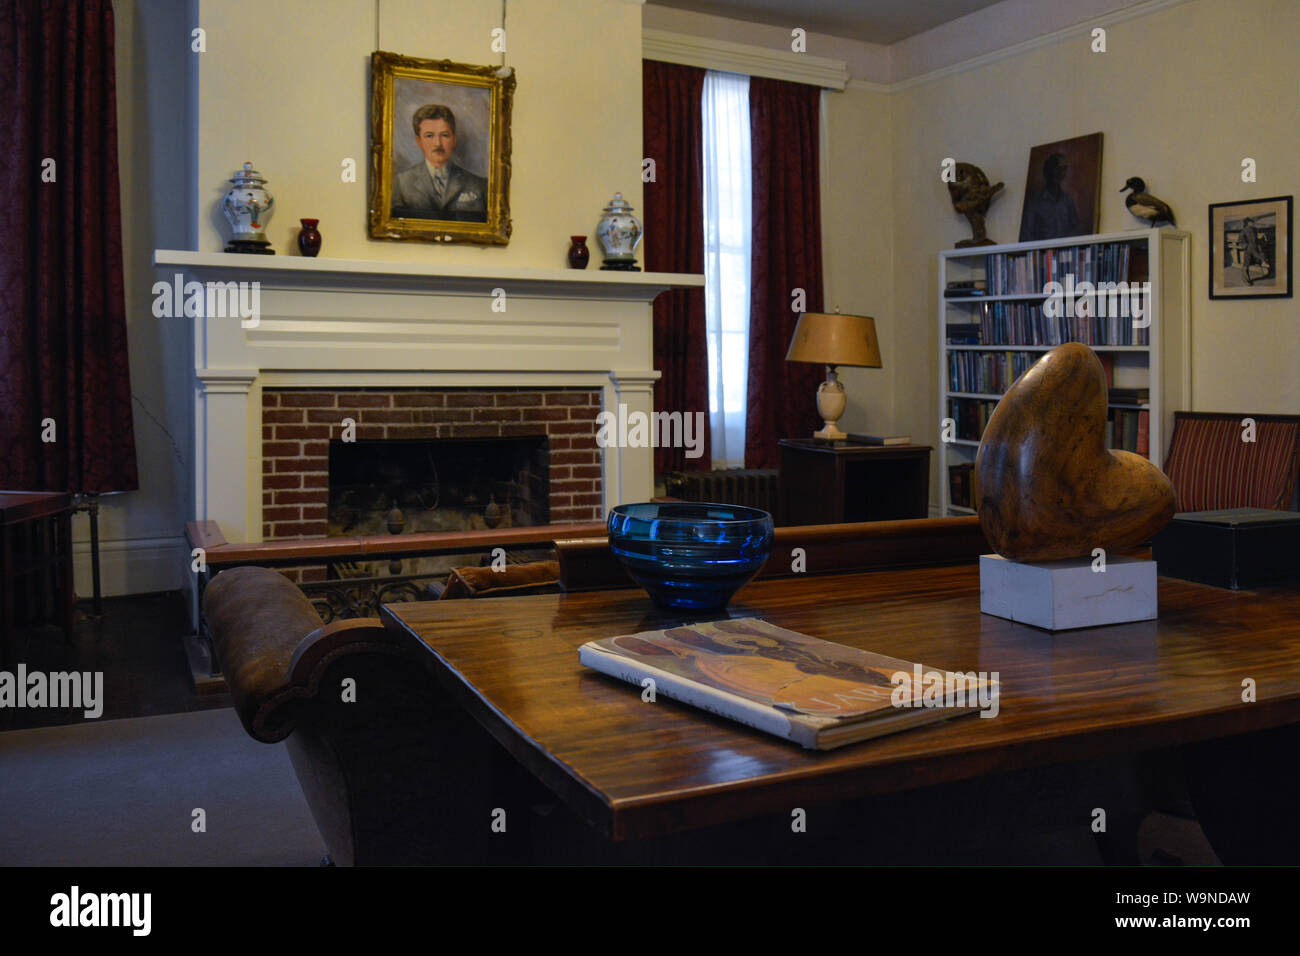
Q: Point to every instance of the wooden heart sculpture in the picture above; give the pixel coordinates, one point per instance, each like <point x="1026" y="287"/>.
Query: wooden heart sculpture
<point x="1047" y="487"/>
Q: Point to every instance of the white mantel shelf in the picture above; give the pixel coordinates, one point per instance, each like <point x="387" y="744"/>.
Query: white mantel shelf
<point x="352" y="274"/>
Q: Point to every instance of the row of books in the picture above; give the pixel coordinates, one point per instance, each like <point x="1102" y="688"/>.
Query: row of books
<point x="987" y="372"/>
<point x="1025" y="323"/>
<point x="1128" y="429"/>
<point x="970" y="416"/>
<point x="1026" y="273"/>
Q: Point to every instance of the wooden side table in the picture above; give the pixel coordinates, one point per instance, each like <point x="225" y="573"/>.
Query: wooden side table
<point x="825" y="482"/>
<point x="36" y="555"/>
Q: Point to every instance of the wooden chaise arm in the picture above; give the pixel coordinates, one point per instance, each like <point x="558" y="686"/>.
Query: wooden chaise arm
<point x="273" y="648"/>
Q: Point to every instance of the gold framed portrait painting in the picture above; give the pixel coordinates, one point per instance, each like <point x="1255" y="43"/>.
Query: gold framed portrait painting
<point x="439" y="150"/>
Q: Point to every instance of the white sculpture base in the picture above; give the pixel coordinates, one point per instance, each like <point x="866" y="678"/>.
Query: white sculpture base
<point x="1061" y="595"/>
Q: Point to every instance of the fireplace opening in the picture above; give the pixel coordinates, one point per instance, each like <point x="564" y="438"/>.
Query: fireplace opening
<point x="408" y="486"/>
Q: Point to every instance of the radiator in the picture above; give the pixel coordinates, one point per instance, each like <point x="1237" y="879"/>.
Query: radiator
<point x="752" y="487"/>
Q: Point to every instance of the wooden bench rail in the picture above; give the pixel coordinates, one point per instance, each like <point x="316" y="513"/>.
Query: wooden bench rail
<point x="587" y="563"/>
<point x="220" y="553"/>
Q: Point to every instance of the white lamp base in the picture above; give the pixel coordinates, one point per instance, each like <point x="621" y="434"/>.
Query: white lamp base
<point x="831" y="402"/>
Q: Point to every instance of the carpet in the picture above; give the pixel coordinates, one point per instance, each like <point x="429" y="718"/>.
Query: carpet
<point x="123" y="792"/>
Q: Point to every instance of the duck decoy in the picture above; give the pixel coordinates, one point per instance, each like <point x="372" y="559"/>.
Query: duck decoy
<point x="1146" y="206"/>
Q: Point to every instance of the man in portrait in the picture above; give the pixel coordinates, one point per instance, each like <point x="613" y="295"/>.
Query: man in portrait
<point x="1051" y="214"/>
<point x="436" y="187"/>
<point x="1254" y="251"/>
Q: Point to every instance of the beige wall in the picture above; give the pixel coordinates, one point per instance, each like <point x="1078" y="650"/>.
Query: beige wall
<point x="858" y="256"/>
<point x="296" y="105"/>
<point x="1181" y="96"/>
<point x="140" y="532"/>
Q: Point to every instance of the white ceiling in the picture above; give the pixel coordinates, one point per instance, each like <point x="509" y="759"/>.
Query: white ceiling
<point x="873" y="21"/>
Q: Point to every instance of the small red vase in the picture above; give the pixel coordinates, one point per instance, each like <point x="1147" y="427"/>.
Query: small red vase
<point x="579" y="254"/>
<point x="309" y="237"/>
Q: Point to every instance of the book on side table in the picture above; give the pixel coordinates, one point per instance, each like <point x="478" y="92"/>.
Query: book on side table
<point x="816" y="693"/>
<point x="879" y="439"/>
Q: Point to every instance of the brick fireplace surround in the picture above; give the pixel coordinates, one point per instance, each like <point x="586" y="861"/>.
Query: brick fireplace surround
<point x="298" y="423"/>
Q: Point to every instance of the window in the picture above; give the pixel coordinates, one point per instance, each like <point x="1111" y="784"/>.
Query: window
<point x="727" y="236"/>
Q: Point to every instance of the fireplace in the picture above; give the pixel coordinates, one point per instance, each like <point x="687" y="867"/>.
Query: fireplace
<point x="448" y="484"/>
<point x="339" y="461"/>
<point x="422" y="350"/>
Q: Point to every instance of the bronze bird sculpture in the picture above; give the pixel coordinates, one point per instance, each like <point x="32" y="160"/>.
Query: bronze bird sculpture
<point x="1146" y="206"/>
<point x="971" y="195"/>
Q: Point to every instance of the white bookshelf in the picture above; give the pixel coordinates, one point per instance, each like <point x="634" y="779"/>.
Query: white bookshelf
<point x="1159" y="365"/>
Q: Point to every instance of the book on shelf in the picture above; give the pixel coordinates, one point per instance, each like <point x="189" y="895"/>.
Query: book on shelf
<point x="964" y="287"/>
<point x="861" y="439"/>
<point x="960" y="483"/>
<point x="1129" y="396"/>
<point x="816" y="693"/>
<point x="1108" y="366"/>
<point x="963" y="333"/>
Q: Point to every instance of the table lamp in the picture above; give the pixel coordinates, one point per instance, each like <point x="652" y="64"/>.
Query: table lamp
<point x="834" y="339"/>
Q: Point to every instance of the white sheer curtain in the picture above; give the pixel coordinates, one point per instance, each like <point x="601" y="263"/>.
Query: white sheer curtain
<point x="727" y="233"/>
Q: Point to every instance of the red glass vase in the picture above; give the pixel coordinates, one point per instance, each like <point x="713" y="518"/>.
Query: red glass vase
<point x="309" y="237"/>
<point x="579" y="254"/>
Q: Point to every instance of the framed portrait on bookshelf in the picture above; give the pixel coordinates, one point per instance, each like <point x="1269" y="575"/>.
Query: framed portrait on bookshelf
<point x="1062" y="189"/>
<point x="1250" y="249"/>
<point x="439" y="150"/>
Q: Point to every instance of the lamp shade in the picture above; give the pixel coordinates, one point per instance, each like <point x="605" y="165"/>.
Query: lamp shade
<point x="834" y="339"/>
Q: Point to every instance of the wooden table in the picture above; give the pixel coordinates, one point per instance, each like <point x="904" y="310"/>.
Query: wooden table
<point x="637" y="769"/>
<point x="28" y="515"/>
<point x="826" y="482"/>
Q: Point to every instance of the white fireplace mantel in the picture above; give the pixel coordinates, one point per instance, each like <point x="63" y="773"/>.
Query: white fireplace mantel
<point x="367" y="323"/>
<point x="431" y="278"/>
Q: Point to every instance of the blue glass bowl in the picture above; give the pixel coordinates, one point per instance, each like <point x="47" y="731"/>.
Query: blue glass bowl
<point x="690" y="555"/>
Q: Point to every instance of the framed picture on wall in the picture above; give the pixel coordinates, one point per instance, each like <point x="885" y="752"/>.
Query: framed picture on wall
<point x="1062" y="189"/>
<point x="439" y="150"/>
<point x="1250" y="249"/>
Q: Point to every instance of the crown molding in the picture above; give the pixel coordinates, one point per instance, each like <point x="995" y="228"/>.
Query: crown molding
<point x="869" y="86"/>
<point x="1145" y="8"/>
<point x="730" y="57"/>
<point x="709" y="54"/>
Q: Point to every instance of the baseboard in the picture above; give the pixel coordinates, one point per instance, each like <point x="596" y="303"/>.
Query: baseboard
<point x="132" y="566"/>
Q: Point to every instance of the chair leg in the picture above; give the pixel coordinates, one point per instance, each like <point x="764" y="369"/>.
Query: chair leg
<point x="97" y="603"/>
<point x="66" y="591"/>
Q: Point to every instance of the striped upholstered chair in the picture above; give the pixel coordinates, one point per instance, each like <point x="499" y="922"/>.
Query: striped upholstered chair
<point x="1211" y="467"/>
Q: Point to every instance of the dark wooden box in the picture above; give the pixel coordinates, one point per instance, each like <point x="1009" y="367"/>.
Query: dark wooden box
<point x="1233" y="548"/>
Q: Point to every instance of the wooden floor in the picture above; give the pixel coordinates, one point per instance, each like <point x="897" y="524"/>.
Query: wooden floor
<point x="136" y="644"/>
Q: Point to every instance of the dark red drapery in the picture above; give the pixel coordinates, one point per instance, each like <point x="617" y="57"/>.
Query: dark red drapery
<point x="787" y="255"/>
<point x="673" y="136"/>
<point x="63" y="354"/>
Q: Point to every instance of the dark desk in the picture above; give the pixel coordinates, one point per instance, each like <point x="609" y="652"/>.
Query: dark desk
<point x="836" y="482"/>
<point x="36" y="548"/>
<point x="635" y="769"/>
